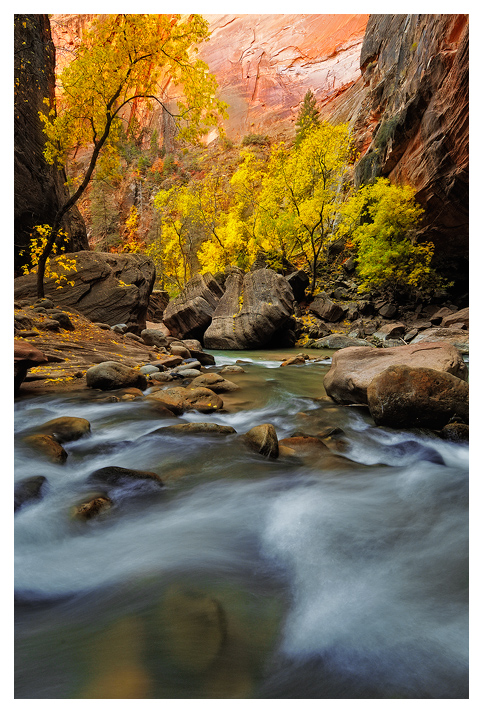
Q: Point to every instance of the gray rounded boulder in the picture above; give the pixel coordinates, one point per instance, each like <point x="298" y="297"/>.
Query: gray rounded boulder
<point x="114" y="375"/>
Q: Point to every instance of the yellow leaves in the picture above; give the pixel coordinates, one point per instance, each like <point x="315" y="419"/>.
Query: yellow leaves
<point x="124" y="56"/>
<point x="37" y="244"/>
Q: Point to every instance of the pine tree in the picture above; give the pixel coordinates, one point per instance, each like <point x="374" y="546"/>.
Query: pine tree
<point x="308" y="117"/>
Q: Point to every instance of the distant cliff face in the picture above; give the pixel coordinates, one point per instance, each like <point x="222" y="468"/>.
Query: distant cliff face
<point x="412" y="122"/>
<point x="264" y="64"/>
<point x="39" y="188"/>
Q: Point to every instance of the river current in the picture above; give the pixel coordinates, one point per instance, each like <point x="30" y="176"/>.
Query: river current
<point x="243" y="577"/>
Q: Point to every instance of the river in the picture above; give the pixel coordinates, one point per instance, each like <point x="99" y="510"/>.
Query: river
<point x="244" y="577"/>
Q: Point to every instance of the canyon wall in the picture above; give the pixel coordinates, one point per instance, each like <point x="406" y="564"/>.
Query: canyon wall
<point x="413" y="122"/>
<point x="39" y="188"/>
<point x="264" y="65"/>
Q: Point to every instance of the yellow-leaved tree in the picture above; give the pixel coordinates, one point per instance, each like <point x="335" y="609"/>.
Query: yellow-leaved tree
<point x="303" y="191"/>
<point x="124" y="59"/>
<point x="382" y="220"/>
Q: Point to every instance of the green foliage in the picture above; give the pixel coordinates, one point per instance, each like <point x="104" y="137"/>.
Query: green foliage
<point x="390" y="259"/>
<point x="256" y="140"/>
<point x="308" y="117"/>
<point x="386" y="132"/>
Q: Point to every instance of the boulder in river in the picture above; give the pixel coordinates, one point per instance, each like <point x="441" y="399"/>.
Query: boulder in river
<point x="352" y="369"/>
<point x="114" y="375"/>
<point x="89" y="509"/>
<point x="215" y="382"/>
<point x="110" y="288"/>
<point x="181" y="399"/>
<point x="114" y="475"/>
<point x="404" y="397"/>
<point x="47" y="446"/>
<point x="196" y="428"/>
<point x="29" y="489"/>
<point x="255" y="311"/>
<point x="263" y="439"/>
<point x="66" y="428"/>
<point x="189" y="315"/>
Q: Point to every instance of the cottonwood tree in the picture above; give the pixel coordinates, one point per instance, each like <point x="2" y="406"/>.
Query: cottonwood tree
<point x="382" y="220"/>
<point x="124" y="59"/>
<point x="304" y="189"/>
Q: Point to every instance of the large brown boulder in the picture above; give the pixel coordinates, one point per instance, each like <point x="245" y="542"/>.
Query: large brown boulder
<point x="326" y="309"/>
<point x="454" y="336"/>
<point x="189" y="315"/>
<point x="263" y="439"/>
<point x="460" y="317"/>
<point x="255" y="311"/>
<point x="108" y="288"/>
<point x="404" y="397"/>
<point x="353" y="368"/>
<point x="66" y="428"/>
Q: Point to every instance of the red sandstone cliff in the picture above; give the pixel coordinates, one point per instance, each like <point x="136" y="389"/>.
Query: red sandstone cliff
<point x="264" y="64"/>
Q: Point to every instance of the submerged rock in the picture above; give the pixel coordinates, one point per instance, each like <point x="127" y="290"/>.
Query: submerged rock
<point x="263" y="439"/>
<point x="195" y="629"/>
<point x="89" y="509"/>
<point x="47" y="446"/>
<point x="66" y="428"/>
<point x="116" y="474"/>
<point x="29" y="489"/>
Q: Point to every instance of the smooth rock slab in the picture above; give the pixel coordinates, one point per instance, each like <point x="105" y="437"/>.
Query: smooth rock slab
<point x="454" y="336"/>
<point x="352" y="369"/>
<point x="338" y="341"/>
<point x="404" y="397"/>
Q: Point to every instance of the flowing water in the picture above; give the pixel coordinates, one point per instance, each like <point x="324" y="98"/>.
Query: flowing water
<point x="243" y="577"/>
